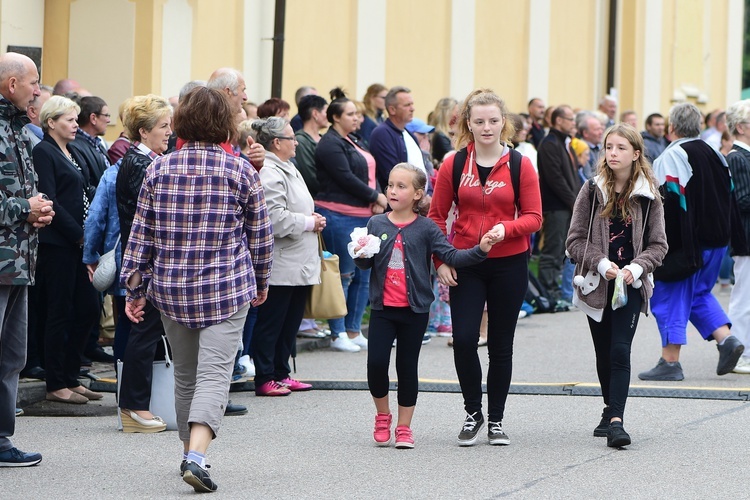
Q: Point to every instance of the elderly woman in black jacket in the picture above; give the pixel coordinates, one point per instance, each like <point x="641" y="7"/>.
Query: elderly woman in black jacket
<point x="65" y="301"/>
<point x="348" y="197"/>
<point x="148" y="124"/>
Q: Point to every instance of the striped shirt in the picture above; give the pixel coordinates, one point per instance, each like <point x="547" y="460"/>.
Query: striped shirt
<point x="201" y="237"/>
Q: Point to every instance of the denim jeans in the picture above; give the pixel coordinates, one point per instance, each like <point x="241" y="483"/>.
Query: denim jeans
<point x="566" y="284"/>
<point x="355" y="281"/>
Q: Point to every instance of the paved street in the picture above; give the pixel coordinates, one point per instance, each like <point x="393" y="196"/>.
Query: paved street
<point x="318" y="444"/>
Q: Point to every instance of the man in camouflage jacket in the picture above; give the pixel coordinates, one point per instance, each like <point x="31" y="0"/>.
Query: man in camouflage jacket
<point x="22" y="212"/>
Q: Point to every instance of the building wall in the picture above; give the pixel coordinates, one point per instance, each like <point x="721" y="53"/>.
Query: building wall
<point x="554" y="49"/>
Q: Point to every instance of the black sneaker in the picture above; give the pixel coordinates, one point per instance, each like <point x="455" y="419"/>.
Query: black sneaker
<point x="233" y="410"/>
<point x="664" y="371"/>
<point x="100" y="355"/>
<point x="472" y="425"/>
<point x="17" y="458"/>
<point x="729" y="354"/>
<point x="616" y="435"/>
<point x="603" y="427"/>
<point x="198" y="477"/>
<point x="495" y="433"/>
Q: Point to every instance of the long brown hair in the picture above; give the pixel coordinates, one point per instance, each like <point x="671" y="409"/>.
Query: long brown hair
<point x="372" y="91"/>
<point x="481" y="97"/>
<point x="641" y="168"/>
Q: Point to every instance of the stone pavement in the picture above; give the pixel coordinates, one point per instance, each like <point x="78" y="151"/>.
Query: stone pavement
<point x="689" y="438"/>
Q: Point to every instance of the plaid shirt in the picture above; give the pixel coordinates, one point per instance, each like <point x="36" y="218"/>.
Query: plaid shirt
<point x="201" y="237"/>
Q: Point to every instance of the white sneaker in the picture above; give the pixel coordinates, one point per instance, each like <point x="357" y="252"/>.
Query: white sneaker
<point x="342" y="343"/>
<point x="743" y="366"/>
<point x="248" y="364"/>
<point x="360" y="340"/>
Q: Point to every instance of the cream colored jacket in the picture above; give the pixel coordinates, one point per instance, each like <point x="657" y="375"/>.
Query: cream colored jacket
<point x="296" y="261"/>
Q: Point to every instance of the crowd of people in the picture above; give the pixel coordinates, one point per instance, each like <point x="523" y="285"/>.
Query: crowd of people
<point x="219" y="212"/>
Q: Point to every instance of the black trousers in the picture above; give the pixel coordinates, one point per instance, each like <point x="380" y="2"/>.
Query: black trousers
<point x="66" y="299"/>
<point x="501" y="283"/>
<point x="613" y="337"/>
<point x="275" y="331"/>
<point x="143" y="347"/>
<point x="407" y="327"/>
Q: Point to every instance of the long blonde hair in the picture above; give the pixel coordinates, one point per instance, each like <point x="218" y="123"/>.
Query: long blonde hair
<point x="481" y="97"/>
<point x="441" y="116"/>
<point x="641" y="168"/>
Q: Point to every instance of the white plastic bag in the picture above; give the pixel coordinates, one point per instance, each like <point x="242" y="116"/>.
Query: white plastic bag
<point x="620" y="297"/>
<point x="369" y="243"/>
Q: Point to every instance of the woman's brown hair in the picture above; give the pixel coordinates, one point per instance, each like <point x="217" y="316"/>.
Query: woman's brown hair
<point x="205" y="115"/>
<point x="641" y="168"/>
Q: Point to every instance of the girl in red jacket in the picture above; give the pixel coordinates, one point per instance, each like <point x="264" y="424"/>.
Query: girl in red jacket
<point x="485" y="199"/>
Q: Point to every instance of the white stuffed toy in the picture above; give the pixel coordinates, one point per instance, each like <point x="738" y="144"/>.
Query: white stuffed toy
<point x="589" y="283"/>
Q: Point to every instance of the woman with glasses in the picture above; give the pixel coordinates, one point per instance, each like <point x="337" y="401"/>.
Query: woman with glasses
<point x="349" y="195"/>
<point x="296" y="260"/>
<point x="374" y="101"/>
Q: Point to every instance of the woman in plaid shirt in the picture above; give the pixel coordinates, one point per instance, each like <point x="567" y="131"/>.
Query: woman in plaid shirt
<point x="200" y="249"/>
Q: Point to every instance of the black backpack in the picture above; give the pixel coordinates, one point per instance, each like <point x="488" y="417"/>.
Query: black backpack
<point x="539" y="297"/>
<point x="515" y="173"/>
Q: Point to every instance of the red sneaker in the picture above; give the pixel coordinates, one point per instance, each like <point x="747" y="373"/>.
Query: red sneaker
<point x="404" y="437"/>
<point x="294" y="385"/>
<point x="272" y="388"/>
<point x="382" y="433"/>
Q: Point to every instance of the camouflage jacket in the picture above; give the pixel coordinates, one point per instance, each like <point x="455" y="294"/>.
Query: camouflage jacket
<point x="18" y="238"/>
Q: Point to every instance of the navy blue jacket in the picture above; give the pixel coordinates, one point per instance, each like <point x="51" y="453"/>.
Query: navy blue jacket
<point x="389" y="149"/>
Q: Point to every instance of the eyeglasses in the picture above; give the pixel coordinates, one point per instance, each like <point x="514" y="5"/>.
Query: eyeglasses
<point x="569" y="118"/>
<point x="292" y="138"/>
<point x="104" y="114"/>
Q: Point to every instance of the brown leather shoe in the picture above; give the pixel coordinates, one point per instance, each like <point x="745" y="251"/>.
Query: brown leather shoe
<point x="74" y="398"/>
<point x="87" y="393"/>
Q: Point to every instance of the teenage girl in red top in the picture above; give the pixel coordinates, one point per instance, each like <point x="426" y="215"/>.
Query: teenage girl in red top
<point x="486" y="200"/>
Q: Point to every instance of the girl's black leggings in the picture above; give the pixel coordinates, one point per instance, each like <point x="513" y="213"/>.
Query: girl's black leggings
<point x="612" y="338"/>
<point x="407" y="327"/>
<point x="501" y="283"/>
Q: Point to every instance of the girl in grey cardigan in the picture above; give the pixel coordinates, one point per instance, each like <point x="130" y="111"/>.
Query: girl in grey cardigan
<point x="401" y="294"/>
<point x="617" y="228"/>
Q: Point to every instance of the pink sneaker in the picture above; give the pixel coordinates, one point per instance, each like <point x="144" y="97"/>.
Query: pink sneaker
<point x="444" y="331"/>
<point x="404" y="437"/>
<point x="294" y="385"/>
<point x="272" y="388"/>
<point x="382" y="433"/>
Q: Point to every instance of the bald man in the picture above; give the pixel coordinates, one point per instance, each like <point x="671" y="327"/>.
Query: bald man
<point x="22" y="212"/>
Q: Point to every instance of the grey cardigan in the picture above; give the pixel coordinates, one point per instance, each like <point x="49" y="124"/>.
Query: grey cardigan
<point x="420" y="240"/>
<point x="591" y="297"/>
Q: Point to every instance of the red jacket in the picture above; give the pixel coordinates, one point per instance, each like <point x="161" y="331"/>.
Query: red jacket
<point x="479" y="209"/>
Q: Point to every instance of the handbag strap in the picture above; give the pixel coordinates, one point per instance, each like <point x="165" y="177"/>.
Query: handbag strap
<point x="166" y="351"/>
<point x="321" y="249"/>
<point x="593" y="201"/>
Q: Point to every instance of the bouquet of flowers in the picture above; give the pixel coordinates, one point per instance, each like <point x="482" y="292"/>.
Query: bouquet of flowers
<point x="363" y="245"/>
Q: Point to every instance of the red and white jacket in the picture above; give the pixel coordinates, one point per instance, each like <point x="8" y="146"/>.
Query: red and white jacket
<point x="480" y="208"/>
